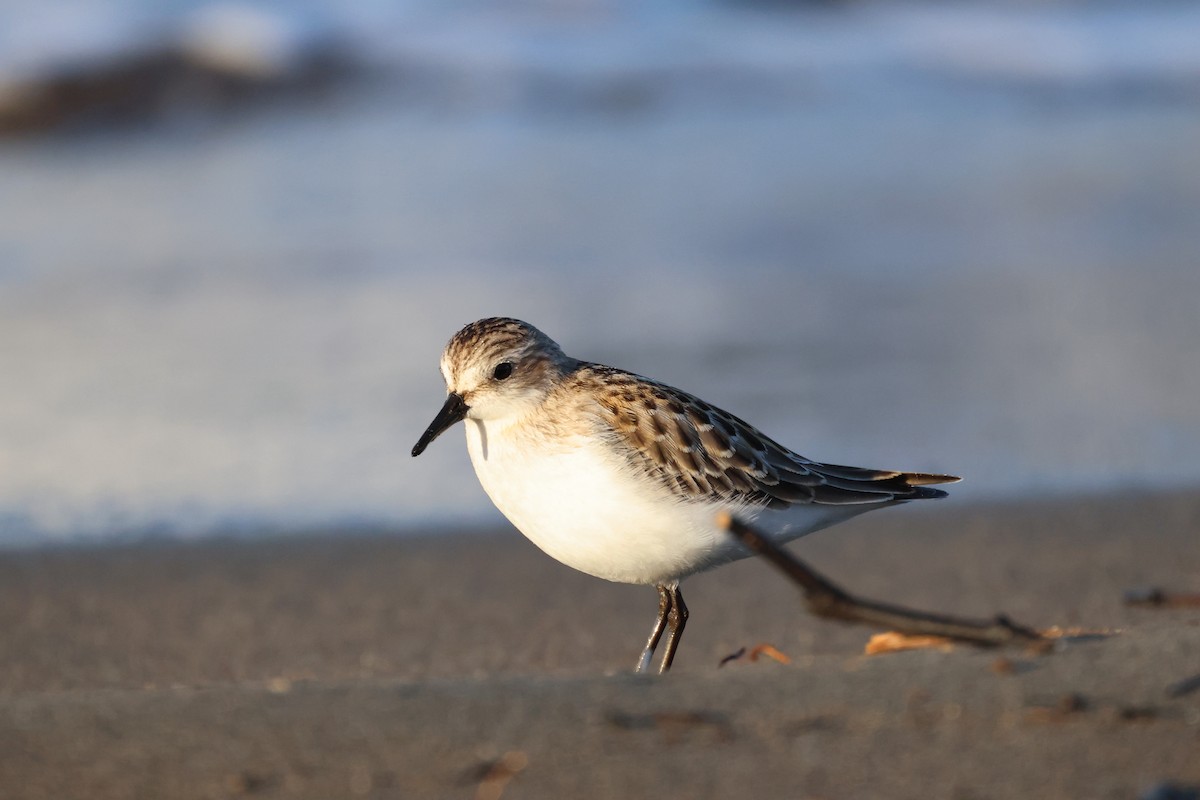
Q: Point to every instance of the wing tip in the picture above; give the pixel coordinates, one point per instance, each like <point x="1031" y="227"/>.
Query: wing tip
<point x="927" y="478"/>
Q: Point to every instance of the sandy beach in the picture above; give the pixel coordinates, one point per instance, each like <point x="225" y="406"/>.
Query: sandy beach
<point x="471" y="665"/>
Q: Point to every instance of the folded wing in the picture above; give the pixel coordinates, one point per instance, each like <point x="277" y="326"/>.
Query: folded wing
<point x="702" y="453"/>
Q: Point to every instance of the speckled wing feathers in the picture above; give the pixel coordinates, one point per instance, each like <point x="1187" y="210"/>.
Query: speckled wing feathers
<point x="702" y="453"/>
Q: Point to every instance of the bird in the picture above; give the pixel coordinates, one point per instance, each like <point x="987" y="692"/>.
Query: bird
<point x="623" y="477"/>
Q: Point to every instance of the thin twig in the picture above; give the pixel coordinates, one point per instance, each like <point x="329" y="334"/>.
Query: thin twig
<point x="826" y="599"/>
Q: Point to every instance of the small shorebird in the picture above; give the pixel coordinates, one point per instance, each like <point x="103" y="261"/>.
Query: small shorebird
<point x="622" y="477"/>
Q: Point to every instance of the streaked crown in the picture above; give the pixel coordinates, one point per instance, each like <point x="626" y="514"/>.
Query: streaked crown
<point x="500" y="366"/>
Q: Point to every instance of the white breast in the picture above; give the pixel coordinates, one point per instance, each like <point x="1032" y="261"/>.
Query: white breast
<point x="575" y="500"/>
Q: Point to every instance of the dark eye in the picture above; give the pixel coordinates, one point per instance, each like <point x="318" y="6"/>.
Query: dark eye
<point x="503" y="370"/>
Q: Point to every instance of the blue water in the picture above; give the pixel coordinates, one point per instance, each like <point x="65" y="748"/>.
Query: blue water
<point x="938" y="237"/>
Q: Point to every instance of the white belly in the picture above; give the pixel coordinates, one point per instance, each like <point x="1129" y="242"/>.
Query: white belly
<point x="576" y="501"/>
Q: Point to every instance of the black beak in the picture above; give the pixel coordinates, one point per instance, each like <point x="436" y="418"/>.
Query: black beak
<point x="453" y="411"/>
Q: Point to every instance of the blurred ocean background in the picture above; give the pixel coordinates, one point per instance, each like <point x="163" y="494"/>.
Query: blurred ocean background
<point x="948" y="236"/>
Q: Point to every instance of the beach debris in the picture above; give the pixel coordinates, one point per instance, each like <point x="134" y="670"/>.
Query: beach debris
<point x="1184" y="687"/>
<point x="826" y="599"/>
<point x="754" y="653"/>
<point x="249" y="782"/>
<point x="771" y="652"/>
<point x="1071" y="702"/>
<point x="1004" y="666"/>
<point x="674" y="724"/>
<point x="1137" y="713"/>
<point x="1077" y="634"/>
<point x="1155" y="597"/>
<point x="493" y="775"/>
<point x="734" y="656"/>
<point x="1054" y="635"/>
<point x="896" y="642"/>
<point x="1171" y="791"/>
<point x="1066" y="706"/>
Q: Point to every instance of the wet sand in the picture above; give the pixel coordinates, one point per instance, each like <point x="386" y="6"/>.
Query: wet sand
<point x="471" y="665"/>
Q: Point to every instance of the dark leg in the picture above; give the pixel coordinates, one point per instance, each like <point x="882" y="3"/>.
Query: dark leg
<point x="678" y="618"/>
<point x="660" y="624"/>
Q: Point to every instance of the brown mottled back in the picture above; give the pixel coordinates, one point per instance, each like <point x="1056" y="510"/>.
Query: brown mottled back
<point x="703" y="453"/>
